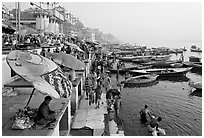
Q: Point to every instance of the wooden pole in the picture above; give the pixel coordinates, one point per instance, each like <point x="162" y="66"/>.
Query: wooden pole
<point x="19" y="16"/>
<point x="30" y="96"/>
<point x="16" y="5"/>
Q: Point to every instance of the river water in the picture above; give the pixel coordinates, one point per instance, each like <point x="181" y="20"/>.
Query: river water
<point x="174" y="100"/>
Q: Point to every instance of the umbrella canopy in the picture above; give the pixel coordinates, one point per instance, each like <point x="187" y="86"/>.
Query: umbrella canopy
<point x="68" y="60"/>
<point x="40" y="71"/>
<point x="74" y="46"/>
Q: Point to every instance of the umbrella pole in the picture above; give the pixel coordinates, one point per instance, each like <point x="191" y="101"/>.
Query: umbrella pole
<point x="30" y="96"/>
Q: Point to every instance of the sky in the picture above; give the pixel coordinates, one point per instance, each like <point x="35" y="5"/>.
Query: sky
<point x="139" y="22"/>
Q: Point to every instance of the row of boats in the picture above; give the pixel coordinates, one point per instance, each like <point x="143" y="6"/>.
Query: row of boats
<point x="147" y="77"/>
<point x="148" y="69"/>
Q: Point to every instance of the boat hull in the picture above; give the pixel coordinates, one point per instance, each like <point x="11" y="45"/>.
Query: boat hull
<point x="196" y="85"/>
<point x="141" y="81"/>
<point x="123" y="71"/>
<point x="168" y="72"/>
<point x="196" y="50"/>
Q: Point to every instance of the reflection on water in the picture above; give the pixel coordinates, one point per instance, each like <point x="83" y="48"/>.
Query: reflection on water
<point x="176" y="79"/>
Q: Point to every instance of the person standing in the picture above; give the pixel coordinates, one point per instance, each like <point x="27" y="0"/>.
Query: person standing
<point x="98" y="96"/>
<point x="108" y="83"/>
<point x="94" y="75"/>
<point x="144" y="112"/>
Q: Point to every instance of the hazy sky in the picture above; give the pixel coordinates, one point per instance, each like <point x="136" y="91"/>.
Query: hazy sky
<point x="137" y="22"/>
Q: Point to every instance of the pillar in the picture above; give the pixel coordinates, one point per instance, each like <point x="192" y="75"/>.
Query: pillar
<point x="46" y="23"/>
<point x="42" y="22"/>
<point x="74" y="100"/>
<point x="51" y="25"/>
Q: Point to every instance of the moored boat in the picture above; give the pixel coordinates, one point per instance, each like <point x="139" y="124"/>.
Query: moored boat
<point x="194" y="59"/>
<point x="161" y="64"/>
<point x="176" y="65"/>
<point x="140" y="81"/>
<point x="197" y="67"/>
<point x="126" y="59"/>
<point x="167" y="72"/>
<point x="124" y="70"/>
<point x="194" y="48"/>
<point x="196" y="85"/>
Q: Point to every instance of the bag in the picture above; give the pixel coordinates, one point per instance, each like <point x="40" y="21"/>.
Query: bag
<point x="22" y="123"/>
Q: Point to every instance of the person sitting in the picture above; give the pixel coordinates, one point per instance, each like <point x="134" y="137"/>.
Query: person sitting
<point x="44" y="114"/>
<point x="144" y="112"/>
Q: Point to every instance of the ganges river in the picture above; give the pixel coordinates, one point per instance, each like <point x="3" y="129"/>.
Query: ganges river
<point x="173" y="99"/>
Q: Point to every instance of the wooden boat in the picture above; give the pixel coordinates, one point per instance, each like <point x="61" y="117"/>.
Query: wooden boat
<point x="127" y="67"/>
<point x="176" y="65"/>
<point x="196" y="85"/>
<point x="194" y="59"/>
<point x="140" y="81"/>
<point x="141" y="60"/>
<point x="187" y="64"/>
<point x="177" y="50"/>
<point x="197" y="67"/>
<point x="126" y="59"/>
<point x="196" y="92"/>
<point x="194" y="48"/>
<point x="161" y="57"/>
<point x="124" y="53"/>
<point x="167" y="72"/>
<point x="161" y="64"/>
<point x="132" y="58"/>
<point x="124" y="70"/>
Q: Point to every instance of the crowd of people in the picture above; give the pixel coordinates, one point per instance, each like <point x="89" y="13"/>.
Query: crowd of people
<point x="98" y="79"/>
<point x="60" y="42"/>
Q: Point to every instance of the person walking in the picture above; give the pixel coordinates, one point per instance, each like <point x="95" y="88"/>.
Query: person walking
<point x="87" y="87"/>
<point x="98" y="96"/>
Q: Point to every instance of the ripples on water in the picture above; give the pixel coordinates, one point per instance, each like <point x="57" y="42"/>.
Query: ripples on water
<point x="172" y="100"/>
